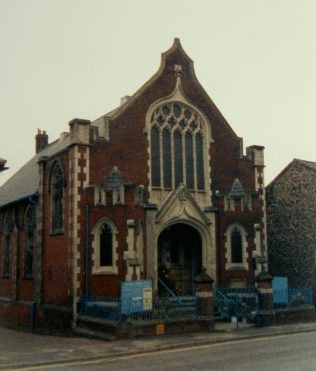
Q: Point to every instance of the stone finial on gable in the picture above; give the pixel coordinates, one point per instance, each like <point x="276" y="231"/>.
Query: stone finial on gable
<point x="237" y="189"/>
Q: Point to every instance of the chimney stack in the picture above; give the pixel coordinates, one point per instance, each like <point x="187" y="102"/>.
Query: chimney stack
<point x="41" y="140"/>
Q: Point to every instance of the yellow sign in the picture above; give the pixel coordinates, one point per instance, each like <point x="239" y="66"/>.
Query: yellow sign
<point x="160" y="329"/>
<point x="148" y="298"/>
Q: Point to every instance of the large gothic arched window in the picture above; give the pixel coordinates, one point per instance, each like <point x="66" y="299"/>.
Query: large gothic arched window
<point x="57" y="192"/>
<point x="177" y="147"/>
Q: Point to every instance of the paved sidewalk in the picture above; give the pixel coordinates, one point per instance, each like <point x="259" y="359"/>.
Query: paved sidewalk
<point x="22" y="349"/>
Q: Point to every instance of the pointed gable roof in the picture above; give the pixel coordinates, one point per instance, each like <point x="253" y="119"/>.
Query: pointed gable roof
<point x="175" y="55"/>
<point x="307" y="164"/>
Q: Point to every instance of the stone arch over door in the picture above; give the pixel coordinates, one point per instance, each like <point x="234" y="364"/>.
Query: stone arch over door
<point x="179" y="254"/>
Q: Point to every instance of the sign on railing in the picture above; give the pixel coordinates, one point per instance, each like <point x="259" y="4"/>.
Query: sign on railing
<point x="136" y="296"/>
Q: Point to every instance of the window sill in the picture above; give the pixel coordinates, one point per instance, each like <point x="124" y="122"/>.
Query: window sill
<point x="104" y="271"/>
<point x="57" y="232"/>
<point x="28" y="278"/>
<point x="237" y="268"/>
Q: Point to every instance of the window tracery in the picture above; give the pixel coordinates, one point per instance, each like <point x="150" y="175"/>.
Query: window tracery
<point x="177" y="147"/>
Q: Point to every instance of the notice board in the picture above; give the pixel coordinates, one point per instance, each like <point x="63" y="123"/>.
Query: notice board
<point x="136" y="296"/>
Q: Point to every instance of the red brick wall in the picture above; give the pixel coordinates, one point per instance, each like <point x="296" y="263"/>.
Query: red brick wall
<point x="57" y="272"/>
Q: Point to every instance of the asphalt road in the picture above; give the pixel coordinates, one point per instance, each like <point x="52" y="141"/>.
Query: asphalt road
<point x="283" y="352"/>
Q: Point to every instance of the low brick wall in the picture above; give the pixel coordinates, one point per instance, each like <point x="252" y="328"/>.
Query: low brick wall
<point x="294" y="315"/>
<point x="166" y="327"/>
<point x="96" y="327"/>
<point x="279" y="316"/>
<point x="55" y="319"/>
<point x="47" y="318"/>
<point x="15" y="314"/>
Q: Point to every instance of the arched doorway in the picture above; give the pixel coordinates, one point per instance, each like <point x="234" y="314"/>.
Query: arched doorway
<point x="179" y="258"/>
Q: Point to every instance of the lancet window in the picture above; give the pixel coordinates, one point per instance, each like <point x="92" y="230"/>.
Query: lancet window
<point x="29" y="228"/>
<point x="57" y="191"/>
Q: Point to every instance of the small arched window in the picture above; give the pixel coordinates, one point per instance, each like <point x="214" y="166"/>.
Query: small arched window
<point x="57" y="196"/>
<point x="8" y="227"/>
<point x="29" y="229"/>
<point x="104" y="245"/>
<point x="236" y="247"/>
<point x="177" y="147"/>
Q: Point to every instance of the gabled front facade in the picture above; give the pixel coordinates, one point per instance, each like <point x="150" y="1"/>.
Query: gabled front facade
<point x="291" y="212"/>
<point x="159" y="184"/>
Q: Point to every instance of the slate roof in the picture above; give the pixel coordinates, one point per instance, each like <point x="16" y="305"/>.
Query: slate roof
<point x="24" y="182"/>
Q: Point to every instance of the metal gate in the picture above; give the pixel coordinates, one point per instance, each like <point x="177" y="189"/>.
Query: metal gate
<point x="236" y="305"/>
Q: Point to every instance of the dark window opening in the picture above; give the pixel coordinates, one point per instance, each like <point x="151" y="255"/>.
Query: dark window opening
<point x="166" y="140"/>
<point x="6" y="256"/>
<point x="178" y="164"/>
<point x="29" y="243"/>
<point x="106" y="250"/>
<point x="57" y="200"/>
<point x="7" y="245"/>
<point x="155" y="158"/>
<point x="199" y="162"/>
<point x="189" y="160"/>
<point x="236" y="246"/>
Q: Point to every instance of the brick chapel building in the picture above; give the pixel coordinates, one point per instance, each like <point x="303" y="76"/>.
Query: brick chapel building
<point x="160" y="183"/>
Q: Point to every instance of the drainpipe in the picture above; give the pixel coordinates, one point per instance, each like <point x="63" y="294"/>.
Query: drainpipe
<point x="32" y="321"/>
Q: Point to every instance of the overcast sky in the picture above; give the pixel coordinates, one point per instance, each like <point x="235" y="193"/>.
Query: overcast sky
<point x="62" y="59"/>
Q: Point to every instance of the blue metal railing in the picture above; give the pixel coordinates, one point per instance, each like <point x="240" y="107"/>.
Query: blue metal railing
<point x="239" y="303"/>
<point x="169" y="291"/>
<point x="300" y="296"/>
<point x="294" y="297"/>
<point x="109" y="308"/>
